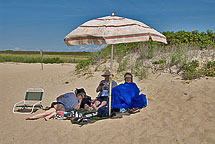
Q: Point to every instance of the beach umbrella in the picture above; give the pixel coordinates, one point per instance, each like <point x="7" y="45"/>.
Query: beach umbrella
<point x="112" y="30"/>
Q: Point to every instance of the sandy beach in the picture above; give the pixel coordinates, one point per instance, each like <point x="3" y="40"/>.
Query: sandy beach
<point x="178" y="111"/>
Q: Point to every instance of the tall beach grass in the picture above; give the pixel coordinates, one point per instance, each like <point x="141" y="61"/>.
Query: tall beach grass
<point x="48" y="57"/>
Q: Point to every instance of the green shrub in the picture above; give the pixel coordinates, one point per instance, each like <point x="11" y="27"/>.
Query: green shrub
<point x="84" y="64"/>
<point x="189" y="75"/>
<point x="176" y="58"/>
<point x="209" y="69"/>
<point x="161" y="61"/>
<point x="203" y="39"/>
<point x="191" y="70"/>
<point x="191" y="66"/>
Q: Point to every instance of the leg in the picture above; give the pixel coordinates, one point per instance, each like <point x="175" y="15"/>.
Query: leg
<point x="42" y="115"/>
<point x="102" y="104"/>
<point x="86" y="107"/>
<point x="96" y="104"/>
<point x="50" y="116"/>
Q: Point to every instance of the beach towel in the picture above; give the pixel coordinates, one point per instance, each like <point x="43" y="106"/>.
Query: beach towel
<point x="88" y="117"/>
<point x="127" y="96"/>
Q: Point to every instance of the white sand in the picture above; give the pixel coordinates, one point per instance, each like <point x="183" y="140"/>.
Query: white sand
<point x="177" y="112"/>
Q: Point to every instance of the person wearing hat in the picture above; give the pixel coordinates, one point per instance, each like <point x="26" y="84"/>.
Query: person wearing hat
<point x="127" y="97"/>
<point x="128" y="77"/>
<point x="103" y="90"/>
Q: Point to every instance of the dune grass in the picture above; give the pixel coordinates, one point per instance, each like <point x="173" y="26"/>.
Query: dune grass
<point x="48" y="57"/>
<point x="189" y="61"/>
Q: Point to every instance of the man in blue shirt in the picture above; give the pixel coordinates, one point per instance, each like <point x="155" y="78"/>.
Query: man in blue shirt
<point x="65" y="102"/>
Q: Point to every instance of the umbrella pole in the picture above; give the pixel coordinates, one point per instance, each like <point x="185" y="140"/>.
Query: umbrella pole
<point x="111" y="60"/>
<point x="111" y="66"/>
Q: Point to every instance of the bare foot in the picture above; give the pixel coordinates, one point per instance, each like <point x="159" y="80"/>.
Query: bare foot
<point x="29" y="118"/>
<point x="94" y="107"/>
<point x="88" y="107"/>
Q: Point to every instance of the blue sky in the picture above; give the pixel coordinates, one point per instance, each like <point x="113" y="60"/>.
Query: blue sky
<point x="43" y="24"/>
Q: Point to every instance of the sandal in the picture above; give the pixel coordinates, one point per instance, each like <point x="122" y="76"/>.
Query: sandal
<point x="134" y="110"/>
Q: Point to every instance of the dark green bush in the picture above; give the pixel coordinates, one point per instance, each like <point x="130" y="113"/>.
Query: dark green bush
<point x="191" y="70"/>
<point x="209" y="69"/>
<point x="161" y="61"/>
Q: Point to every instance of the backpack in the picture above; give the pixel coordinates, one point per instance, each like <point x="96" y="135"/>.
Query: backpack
<point x="103" y="111"/>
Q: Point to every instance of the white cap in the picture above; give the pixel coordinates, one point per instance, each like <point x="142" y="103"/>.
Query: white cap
<point x="128" y="76"/>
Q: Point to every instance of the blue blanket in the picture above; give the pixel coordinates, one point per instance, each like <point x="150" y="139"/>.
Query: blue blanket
<point x="127" y="96"/>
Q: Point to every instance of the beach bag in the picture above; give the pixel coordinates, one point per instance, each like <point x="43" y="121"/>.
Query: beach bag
<point x="103" y="111"/>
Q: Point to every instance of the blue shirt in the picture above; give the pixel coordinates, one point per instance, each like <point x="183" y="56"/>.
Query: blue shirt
<point x="105" y="91"/>
<point x="69" y="100"/>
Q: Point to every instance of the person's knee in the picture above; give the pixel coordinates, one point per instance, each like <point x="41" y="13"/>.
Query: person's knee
<point x="97" y="103"/>
<point x="51" y="110"/>
<point x="104" y="103"/>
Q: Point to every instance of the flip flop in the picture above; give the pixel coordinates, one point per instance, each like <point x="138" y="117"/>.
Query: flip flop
<point x="134" y="110"/>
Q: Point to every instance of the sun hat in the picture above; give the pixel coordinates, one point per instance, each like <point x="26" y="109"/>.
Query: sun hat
<point x="107" y="73"/>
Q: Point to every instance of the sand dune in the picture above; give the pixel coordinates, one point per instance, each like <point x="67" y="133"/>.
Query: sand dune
<point x="177" y="112"/>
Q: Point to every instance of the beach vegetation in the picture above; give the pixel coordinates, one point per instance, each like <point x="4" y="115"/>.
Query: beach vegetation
<point x="209" y="69"/>
<point x="191" y="70"/>
<point x="187" y="54"/>
<point x="141" y="71"/>
<point x="122" y="66"/>
<point x="161" y="61"/>
<point x="48" y="57"/>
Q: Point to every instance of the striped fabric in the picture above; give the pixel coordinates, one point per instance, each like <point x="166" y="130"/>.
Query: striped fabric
<point x="112" y="30"/>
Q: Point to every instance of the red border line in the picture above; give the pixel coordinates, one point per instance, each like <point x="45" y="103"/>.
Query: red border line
<point x="110" y="25"/>
<point x="113" y="37"/>
<point x="80" y="38"/>
<point x="114" y="26"/>
<point x="134" y="35"/>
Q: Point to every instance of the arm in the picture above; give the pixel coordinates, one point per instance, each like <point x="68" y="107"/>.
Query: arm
<point x="99" y="88"/>
<point x="79" y="105"/>
<point x="59" y="97"/>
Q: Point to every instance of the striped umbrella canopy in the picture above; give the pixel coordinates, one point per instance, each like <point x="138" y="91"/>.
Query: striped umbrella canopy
<point x="112" y="30"/>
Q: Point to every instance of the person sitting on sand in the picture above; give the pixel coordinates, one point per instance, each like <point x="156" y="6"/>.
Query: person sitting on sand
<point x="126" y="96"/>
<point x="103" y="89"/>
<point x="65" y="102"/>
<point x="86" y="100"/>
